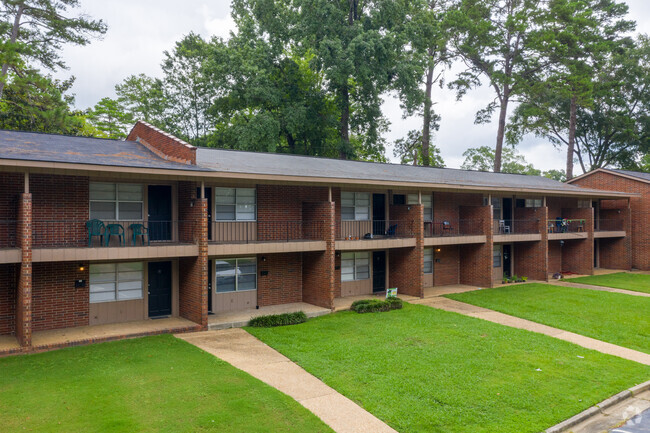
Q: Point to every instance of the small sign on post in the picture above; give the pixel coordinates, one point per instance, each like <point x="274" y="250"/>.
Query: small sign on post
<point x="391" y="293"/>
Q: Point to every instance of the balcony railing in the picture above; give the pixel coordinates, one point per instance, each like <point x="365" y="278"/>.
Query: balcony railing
<point x="357" y="230"/>
<point x="464" y="227"/>
<point x="517" y="226"/>
<point x="563" y="225"/>
<point x="8" y="234"/>
<point x="265" y="231"/>
<point x="69" y="234"/>
<point x="610" y="225"/>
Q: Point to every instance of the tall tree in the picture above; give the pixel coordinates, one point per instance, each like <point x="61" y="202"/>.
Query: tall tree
<point x="481" y="159"/>
<point x="33" y="33"/>
<point x="409" y="151"/>
<point x="494" y="39"/>
<point x="110" y="118"/>
<point x="142" y="97"/>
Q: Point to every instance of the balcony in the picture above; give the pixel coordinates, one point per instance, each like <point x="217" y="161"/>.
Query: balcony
<point x="516" y="230"/>
<point x="610" y="228"/>
<point x="375" y="234"/>
<point x="563" y="228"/>
<point x="257" y="237"/>
<point x="66" y="240"/>
<point x="9" y="251"/>
<point x="464" y="231"/>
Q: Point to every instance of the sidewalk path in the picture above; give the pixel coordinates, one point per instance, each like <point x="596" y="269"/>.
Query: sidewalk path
<point x="600" y="288"/>
<point x="515" y="322"/>
<point x="249" y="354"/>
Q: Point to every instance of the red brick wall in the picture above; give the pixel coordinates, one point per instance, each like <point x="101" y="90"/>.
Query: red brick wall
<point x="8" y="286"/>
<point x="578" y="254"/>
<point x="193" y="271"/>
<point x="406" y="264"/>
<point x="447" y="270"/>
<point x="554" y="257"/>
<point x="55" y="300"/>
<point x="12" y="186"/>
<point x="24" y="302"/>
<point x="163" y="144"/>
<point x="476" y="260"/>
<point x="283" y="283"/>
<point x="527" y="220"/>
<point x="640" y="219"/>
<point x="60" y="210"/>
<point x="447" y="206"/>
<point x="531" y="258"/>
<point x="319" y="278"/>
<point x="614" y="253"/>
<point x="187" y="214"/>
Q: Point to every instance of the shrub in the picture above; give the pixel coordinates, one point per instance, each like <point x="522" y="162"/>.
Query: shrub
<point x="278" y="320"/>
<point x="376" y="305"/>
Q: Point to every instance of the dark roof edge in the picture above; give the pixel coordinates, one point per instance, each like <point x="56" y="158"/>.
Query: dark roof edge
<point x="609" y="171"/>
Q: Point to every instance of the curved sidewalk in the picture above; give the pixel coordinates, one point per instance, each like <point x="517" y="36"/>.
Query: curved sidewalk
<point x="599" y="288"/>
<point x="516" y="322"/>
<point x="247" y="353"/>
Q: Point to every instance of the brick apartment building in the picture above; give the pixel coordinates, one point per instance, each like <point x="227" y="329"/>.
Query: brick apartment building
<point x="97" y="231"/>
<point x="607" y="250"/>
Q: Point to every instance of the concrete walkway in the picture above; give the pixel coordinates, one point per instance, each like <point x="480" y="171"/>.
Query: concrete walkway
<point x="247" y="353"/>
<point x="515" y="322"/>
<point x="599" y="288"/>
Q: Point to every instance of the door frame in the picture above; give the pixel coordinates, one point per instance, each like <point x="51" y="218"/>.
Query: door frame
<point x="385" y="272"/>
<point x="171" y="288"/>
<point x="172" y="214"/>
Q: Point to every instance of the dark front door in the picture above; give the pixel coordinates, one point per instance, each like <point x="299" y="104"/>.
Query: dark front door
<point x="507" y="260"/>
<point x="378" y="271"/>
<point x="208" y="195"/>
<point x="378" y="214"/>
<point x="507" y="213"/>
<point x="160" y="212"/>
<point x="160" y="289"/>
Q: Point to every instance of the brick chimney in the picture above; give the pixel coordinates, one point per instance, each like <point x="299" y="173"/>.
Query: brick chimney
<point x="163" y="144"/>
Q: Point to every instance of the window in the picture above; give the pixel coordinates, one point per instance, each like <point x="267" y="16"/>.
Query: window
<point x="399" y="199"/>
<point x="236" y="275"/>
<point x="496" y="257"/>
<point x="355" y="266"/>
<point x="533" y="202"/>
<point x="583" y="204"/>
<point x="428" y="260"/>
<point x="235" y="204"/>
<point x="427" y="203"/>
<point x="116" y="281"/>
<point x="496" y="208"/>
<point x="355" y="206"/>
<point x="116" y="201"/>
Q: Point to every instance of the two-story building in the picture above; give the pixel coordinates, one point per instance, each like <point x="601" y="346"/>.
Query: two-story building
<point x="96" y="232"/>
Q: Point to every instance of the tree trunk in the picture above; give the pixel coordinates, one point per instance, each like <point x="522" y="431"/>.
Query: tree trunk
<point x="345" y="123"/>
<point x="426" y="127"/>
<point x="498" y="151"/>
<point x="14" y="36"/>
<point x="572" y="138"/>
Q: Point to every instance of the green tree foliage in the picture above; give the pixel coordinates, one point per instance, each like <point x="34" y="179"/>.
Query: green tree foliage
<point x="482" y="159"/>
<point x="612" y="124"/>
<point x="495" y="40"/>
<point x="142" y="97"/>
<point x="409" y="151"/>
<point x="558" y="175"/>
<point x="110" y="118"/>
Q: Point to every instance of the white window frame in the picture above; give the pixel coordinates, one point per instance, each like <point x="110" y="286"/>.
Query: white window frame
<point x="497" y="254"/>
<point x="534" y="202"/>
<point x="428" y="207"/>
<point x="356" y="258"/>
<point x="357" y="208"/>
<point x="235" y="204"/>
<point x="584" y="204"/>
<point x="236" y="260"/>
<point x="116" y="201"/>
<point x="428" y="258"/>
<point x="116" y="282"/>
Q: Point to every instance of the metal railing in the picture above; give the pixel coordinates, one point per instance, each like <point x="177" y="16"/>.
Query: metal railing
<point x="516" y="226"/>
<point x="610" y="225"/>
<point x="463" y="227"/>
<point x="8" y="234"/>
<point x="373" y="229"/>
<point x="563" y="225"/>
<point x="84" y="233"/>
<point x="265" y="231"/>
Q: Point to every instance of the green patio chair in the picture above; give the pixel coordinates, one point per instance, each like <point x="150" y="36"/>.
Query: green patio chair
<point x="114" y="230"/>
<point x="95" y="227"/>
<point x="139" y="230"/>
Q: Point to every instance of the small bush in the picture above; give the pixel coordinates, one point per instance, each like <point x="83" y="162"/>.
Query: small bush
<point x="376" y="305"/>
<point x="278" y="320"/>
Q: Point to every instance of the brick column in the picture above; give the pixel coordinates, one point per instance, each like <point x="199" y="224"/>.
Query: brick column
<point x="578" y="254"/>
<point x="24" y="292"/>
<point x="318" y="268"/>
<point x="193" y="271"/>
<point x="476" y="260"/>
<point x="616" y="253"/>
<point x="406" y="265"/>
<point x="531" y="258"/>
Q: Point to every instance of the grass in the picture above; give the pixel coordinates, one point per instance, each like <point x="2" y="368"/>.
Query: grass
<point x="146" y="385"/>
<point x="425" y="370"/>
<point x="621" y="280"/>
<point x="616" y="318"/>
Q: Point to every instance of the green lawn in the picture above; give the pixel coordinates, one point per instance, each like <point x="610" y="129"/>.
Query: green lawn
<point x="151" y="384"/>
<point x="622" y="280"/>
<point x="612" y="317"/>
<point x="425" y="370"/>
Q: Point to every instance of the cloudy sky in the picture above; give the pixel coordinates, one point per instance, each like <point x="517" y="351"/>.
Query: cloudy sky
<point x="139" y="31"/>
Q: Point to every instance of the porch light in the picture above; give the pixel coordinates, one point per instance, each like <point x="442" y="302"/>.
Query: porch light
<point x="81" y="267"/>
<point x="263" y="258"/>
<point x="437" y="250"/>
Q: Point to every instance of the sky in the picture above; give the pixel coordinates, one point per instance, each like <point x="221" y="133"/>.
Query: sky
<point x="140" y="31"/>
